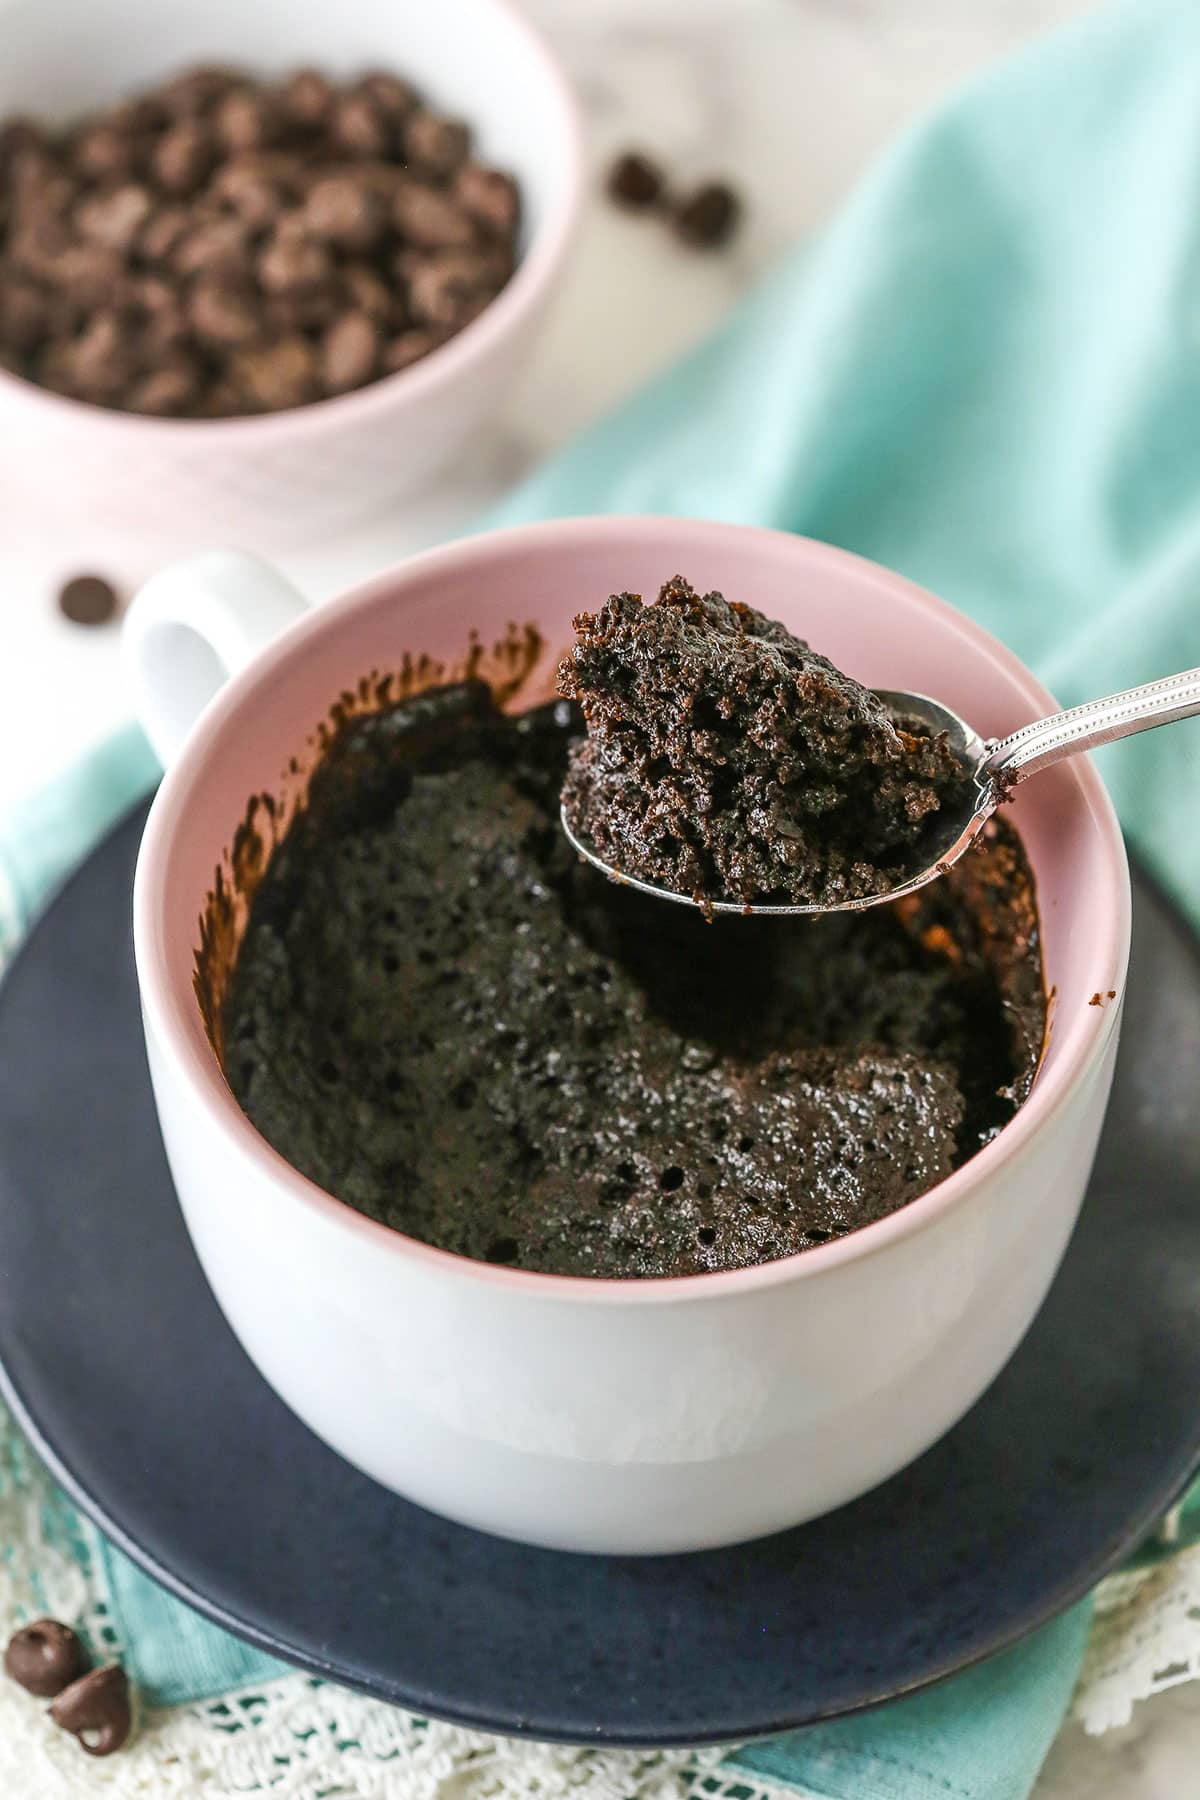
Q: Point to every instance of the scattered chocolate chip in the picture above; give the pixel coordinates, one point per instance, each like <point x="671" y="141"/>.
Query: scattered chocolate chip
<point x="709" y="216"/>
<point x="86" y="600"/>
<point x="95" y="1709"/>
<point x="634" y="181"/>
<point x="44" y="1657"/>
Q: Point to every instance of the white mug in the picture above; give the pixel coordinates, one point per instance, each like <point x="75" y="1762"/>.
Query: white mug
<point x="628" y="1415"/>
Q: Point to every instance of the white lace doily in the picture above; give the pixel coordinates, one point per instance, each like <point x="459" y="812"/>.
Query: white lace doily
<point x="1145" y="1638"/>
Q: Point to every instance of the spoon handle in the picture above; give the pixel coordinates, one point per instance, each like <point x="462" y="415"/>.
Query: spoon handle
<point x="1048" y="741"/>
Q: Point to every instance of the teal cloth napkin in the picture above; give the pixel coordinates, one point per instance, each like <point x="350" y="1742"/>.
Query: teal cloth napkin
<point x="986" y="373"/>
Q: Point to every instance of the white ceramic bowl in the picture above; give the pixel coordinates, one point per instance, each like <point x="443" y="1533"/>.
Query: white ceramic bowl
<point x="320" y="466"/>
<point x="606" y="1415"/>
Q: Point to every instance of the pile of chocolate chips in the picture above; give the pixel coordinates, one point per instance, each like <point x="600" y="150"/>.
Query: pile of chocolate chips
<point x="47" y="1659"/>
<point x="223" y="245"/>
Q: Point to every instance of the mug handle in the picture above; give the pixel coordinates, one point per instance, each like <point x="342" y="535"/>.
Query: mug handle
<point x="191" y="627"/>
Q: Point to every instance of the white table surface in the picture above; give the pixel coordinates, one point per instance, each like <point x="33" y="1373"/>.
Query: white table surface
<point x="788" y="97"/>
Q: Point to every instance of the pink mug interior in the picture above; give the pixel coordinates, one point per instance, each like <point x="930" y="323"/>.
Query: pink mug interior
<point x="873" y="623"/>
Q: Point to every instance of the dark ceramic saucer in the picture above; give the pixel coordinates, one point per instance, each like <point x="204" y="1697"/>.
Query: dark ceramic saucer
<point x="125" y="1375"/>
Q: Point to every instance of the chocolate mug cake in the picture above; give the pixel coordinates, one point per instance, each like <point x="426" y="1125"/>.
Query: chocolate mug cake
<point x="726" y="759"/>
<point x="446" y="1020"/>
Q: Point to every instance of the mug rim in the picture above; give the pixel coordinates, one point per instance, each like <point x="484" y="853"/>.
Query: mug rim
<point x="1083" y="1039"/>
<point x="529" y="283"/>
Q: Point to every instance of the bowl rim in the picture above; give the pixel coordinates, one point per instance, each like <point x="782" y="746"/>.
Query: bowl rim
<point x="457" y="357"/>
<point x="1084" y="1037"/>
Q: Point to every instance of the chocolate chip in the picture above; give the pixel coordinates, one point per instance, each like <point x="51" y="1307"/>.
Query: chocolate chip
<point x="183" y="157"/>
<point x="24" y="317"/>
<point x="409" y="347"/>
<point x="197" y="91"/>
<point x="154" y="309"/>
<point x="292" y="261"/>
<point x="367" y="291"/>
<point x="222" y="312"/>
<point x="359" y="126"/>
<point x="349" y="352"/>
<point x="393" y="96"/>
<point x="246" y="119"/>
<point x="436" y="146"/>
<point x="344" y="211"/>
<point x="306" y="99"/>
<point x="101" y="153"/>
<point x="114" y="219"/>
<point x="429" y="218"/>
<point x="46" y="1656"/>
<point x="634" y="181"/>
<point x="85" y="600"/>
<point x="709" y="216"/>
<point x="305" y="311"/>
<point x="489" y="197"/>
<point x="221" y="399"/>
<point x="99" y="362"/>
<point x="17" y="134"/>
<point x="277" y="375"/>
<point x="168" y="391"/>
<point x="256" y="186"/>
<point x="163" y="232"/>
<point x="450" y="287"/>
<point x="221" y="247"/>
<point x="95" y="1709"/>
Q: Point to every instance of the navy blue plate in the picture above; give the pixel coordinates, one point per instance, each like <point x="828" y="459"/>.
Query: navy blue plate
<point x="131" y="1385"/>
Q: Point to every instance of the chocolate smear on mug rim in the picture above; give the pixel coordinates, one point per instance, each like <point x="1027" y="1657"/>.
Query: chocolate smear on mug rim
<point x="509" y="666"/>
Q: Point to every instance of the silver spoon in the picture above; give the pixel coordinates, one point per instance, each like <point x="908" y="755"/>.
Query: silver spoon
<point x="997" y="766"/>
